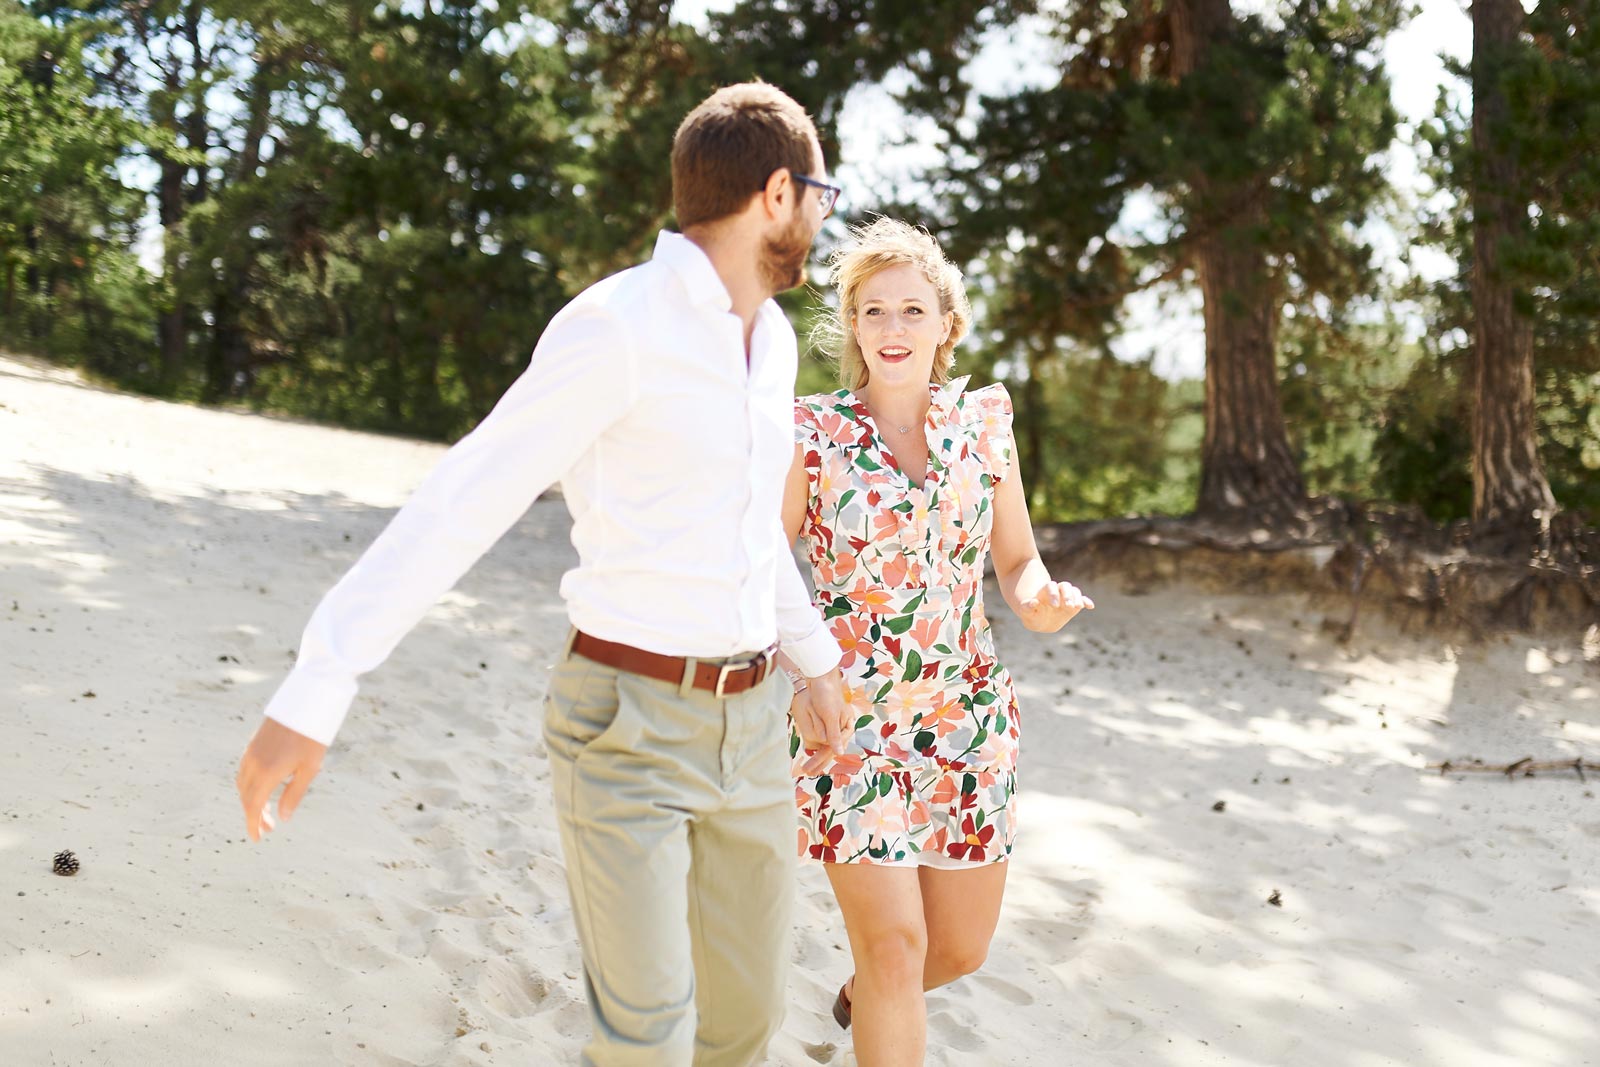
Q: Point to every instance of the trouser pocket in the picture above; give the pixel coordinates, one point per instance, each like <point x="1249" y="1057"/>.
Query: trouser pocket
<point x="581" y="705"/>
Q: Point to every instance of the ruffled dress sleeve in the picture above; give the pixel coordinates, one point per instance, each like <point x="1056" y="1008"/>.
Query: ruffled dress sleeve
<point x="808" y="436"/>
<point x="989" y="413"/>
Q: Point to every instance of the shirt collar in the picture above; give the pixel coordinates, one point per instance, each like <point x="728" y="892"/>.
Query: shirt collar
<point x="693" y="267"/>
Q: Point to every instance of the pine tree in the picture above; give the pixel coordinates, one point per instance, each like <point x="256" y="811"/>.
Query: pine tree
<point x="1522" y="227"/>
<point x="1255" y="139"/>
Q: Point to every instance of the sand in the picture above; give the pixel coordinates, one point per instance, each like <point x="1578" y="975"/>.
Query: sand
<point x="157" y="563"/>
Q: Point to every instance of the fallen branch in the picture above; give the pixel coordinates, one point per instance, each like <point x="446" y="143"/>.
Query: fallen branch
<point x="1525" y="767"/>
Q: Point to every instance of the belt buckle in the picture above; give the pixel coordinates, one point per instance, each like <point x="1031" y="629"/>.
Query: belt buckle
<point x="722" y="677"/>
<point x="727" y="669"/>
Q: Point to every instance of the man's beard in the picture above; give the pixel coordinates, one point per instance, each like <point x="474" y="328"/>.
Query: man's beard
<point x="783" y="258"/>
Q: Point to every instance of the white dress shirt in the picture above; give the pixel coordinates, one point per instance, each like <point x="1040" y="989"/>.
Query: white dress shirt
<point x="672" y="457"/>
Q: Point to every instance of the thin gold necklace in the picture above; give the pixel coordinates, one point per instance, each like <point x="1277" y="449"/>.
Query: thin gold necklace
<point x="906" y="428"/>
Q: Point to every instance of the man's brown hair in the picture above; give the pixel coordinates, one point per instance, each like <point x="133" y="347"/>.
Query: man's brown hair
<point x="729" y="145"/>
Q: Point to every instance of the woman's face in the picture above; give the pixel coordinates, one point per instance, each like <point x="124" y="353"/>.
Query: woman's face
<point x="899" y="327"/>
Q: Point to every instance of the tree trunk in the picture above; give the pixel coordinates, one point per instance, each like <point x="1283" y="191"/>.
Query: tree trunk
<point x="1508" y="481"/>
<point x="1245" y="460"/>
<point x="1245" y="463"/>
<point x="197" y="126"/>
<point x="171" y="324"/>
<point x="228" y="354"/>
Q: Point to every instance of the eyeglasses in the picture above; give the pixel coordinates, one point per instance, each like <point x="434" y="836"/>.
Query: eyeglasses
<point x="828" y="195"/>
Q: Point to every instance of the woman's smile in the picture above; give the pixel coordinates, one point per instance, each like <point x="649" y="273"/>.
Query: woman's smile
<point x="899" y="327"/>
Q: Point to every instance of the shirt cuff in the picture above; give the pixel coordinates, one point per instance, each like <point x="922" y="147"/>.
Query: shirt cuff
<point x="312" y="706"/>
<point x="816" y="653"/>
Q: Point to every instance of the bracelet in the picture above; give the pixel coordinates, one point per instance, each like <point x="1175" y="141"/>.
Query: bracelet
<point x="797" y="680"/>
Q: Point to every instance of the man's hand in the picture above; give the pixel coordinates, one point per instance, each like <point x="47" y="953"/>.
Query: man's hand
<point x="821" y="716"/>
<point x="274" y="754"/>
<point x="813" y="731"/>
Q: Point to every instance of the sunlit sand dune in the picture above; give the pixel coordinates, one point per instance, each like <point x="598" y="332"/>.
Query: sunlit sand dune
<point x="1186" y="757"/>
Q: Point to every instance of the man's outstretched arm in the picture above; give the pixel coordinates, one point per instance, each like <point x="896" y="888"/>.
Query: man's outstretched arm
<point x="578" y="382"/>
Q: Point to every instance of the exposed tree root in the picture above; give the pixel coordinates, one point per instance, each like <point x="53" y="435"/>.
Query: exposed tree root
<point x="1538" y="578"/>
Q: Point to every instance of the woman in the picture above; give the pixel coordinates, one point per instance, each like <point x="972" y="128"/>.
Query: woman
<point x="902" y="483"/>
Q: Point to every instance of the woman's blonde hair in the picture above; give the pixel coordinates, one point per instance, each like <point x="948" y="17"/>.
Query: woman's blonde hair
<point x="875" y="246"/>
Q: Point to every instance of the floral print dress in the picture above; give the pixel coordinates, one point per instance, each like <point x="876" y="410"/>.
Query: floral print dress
<point x="928" y="776"/>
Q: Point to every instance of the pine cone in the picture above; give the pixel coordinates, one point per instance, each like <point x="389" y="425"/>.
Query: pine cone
<point x="66" y="863"/>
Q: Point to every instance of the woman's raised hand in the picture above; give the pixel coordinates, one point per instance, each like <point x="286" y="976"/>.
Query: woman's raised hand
<point x="1053" y="606"/>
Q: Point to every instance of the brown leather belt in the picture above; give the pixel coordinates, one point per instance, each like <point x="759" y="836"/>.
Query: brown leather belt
<point x="720" y="677"/>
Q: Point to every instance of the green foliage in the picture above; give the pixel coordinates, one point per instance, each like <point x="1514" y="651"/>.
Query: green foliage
<point x="1043" y="188"/>
<point x="1290" y="116"/>
<point x="1336" y="374"/>
<point x="1424" y="439"/>
<point x="440" y="219"/>
<point x="369" y="212"/>
<point x="68" y="285"/>
<point x="1111" y="439"/>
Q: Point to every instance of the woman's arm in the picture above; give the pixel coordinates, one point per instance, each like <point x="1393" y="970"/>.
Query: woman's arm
<point x="1040" y="603"/>
<point x="795" y="491"/>
<point x="819" y="714"/>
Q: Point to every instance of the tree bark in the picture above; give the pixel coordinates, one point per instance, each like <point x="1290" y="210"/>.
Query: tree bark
<point x="197" y="125"/>
<point x="1246" y="463"/>
<point x="228" y="355"/>
<point x="172" y="323"/>
<point x="1508" y="481"/>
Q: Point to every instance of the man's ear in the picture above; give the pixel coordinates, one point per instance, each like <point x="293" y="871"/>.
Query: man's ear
<point x="777" y="193"/>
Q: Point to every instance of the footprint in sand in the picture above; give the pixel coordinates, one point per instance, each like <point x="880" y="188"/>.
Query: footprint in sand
<point x="502" y="988"/>
<point x="1070" y="938"/>
<point x="437" y="796"/>
<point x="434" y="769"/>
<point x="1118" y="961"/>
<point x="1006" y="990"/>
<point x="1112" y="1029"/>
<point x="822" y="1052"/>
<point x="955" y="1029"/>
<point x="1391" y="952"/>
<point x="1237" y="829"/>
<point x="1435" y="893"/>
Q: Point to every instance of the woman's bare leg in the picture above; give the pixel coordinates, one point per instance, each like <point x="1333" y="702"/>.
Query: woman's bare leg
<point x="882" y="909"/>
<point x="960" y="910"/>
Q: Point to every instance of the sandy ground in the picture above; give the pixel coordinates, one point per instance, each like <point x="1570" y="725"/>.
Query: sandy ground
<point x="157" y="563"/>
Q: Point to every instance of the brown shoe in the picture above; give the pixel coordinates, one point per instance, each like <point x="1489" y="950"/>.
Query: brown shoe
<point x="841" y="1008"/>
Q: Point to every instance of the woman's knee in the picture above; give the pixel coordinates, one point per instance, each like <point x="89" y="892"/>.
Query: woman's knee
<point x="949" y="960"/>
<point x="895" y="951"/>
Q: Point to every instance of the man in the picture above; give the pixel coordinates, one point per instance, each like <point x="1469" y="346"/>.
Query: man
<point x="661" y="398"/>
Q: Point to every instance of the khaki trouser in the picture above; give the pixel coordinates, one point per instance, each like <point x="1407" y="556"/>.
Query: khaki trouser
<point x="677" y="825"/>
